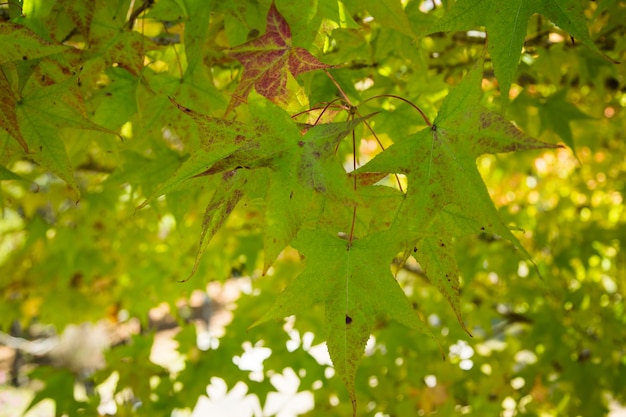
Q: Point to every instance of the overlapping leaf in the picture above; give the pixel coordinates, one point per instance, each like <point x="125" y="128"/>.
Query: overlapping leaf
<point x="227" y="144"/>
<point x="223" y="202"/>
<point x="110" y="39"/>
<point x="356" y="287"/>
<point x="447" y="196"/>
<point x="308" y="164"/>
<point x="268" y="59"/>
<point x="387" y="13"/>
<point x="19" y="43"/>
<point x="81" y="14"/>
<point x="8" y="116"/>
<point x="302" y="165"/>
<point x="506" y="23"/>
<point x="556" y="114"/>
<point x="45" y="108"/>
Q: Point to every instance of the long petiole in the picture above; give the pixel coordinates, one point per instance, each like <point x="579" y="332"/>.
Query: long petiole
<point x="407" y="102"/>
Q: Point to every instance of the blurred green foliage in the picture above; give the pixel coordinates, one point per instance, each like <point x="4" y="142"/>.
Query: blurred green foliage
<point x="74" y="247"/>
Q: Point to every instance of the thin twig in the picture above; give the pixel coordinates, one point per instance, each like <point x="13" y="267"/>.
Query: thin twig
<point x="407" y="102"/>
<point x="351" y="236"/>
<point x="343" y="94"/>
<point x="381" y="147"/>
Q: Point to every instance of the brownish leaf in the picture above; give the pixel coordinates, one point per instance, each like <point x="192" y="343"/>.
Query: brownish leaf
<point x="8" y="117"/>
<point x="267" y="59"/>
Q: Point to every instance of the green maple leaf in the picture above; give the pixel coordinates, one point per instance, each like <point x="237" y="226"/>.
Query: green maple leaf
<point x="6" y="174"/>
<point x="447" y="196"/>
<point x="268" y="59"/>
<point x="42" y="111"/>
<point x="436" y="258"/>
<point x="59" y="386"/>
<point x="506" y="23"/>
<point x="302" y="165"/>
<point x="196" y="32"/>
<point x="135" y="373"/>
<point x="355" y="285"/>
<point x="80" y="13"/>
<point x="223" y="202"/>
<point x="228" y="144"/>
<point x="308" y="164"/>
<point x="24" y="44"/>
<point x="110" y="41"/>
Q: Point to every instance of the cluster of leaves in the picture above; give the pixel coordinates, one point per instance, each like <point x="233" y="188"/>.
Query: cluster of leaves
<point x="121" y="122"/>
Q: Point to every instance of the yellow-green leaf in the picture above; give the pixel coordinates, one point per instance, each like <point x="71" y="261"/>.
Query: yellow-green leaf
<point x="355" y="284"/>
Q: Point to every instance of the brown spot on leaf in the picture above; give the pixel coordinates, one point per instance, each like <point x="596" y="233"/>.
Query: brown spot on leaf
<point x="348" y="319"/>
<point x="229" y="174"/>
<point x="253" y="34"/>
<point x="237" y="194"/>
<point x="76" y="280"/>
<point x="485" y="120"/>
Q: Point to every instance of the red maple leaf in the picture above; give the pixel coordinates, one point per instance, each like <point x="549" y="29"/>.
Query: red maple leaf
<point x="267" y="59"/>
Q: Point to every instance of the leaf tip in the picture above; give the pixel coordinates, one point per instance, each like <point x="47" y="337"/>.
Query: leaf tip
<point x="265" y="318"/>
<point x="193" y="272"/>
<point x="266" y="267"/>
<point x="195" y="266"/>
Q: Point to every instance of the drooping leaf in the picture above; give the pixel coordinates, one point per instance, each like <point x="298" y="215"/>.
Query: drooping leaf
<point x="506" y="23"/>
<point x="223" y="202"/>
<point x="436" y="257"/>
<point x="267" y="59"/>
<point x="355" y="285"/>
